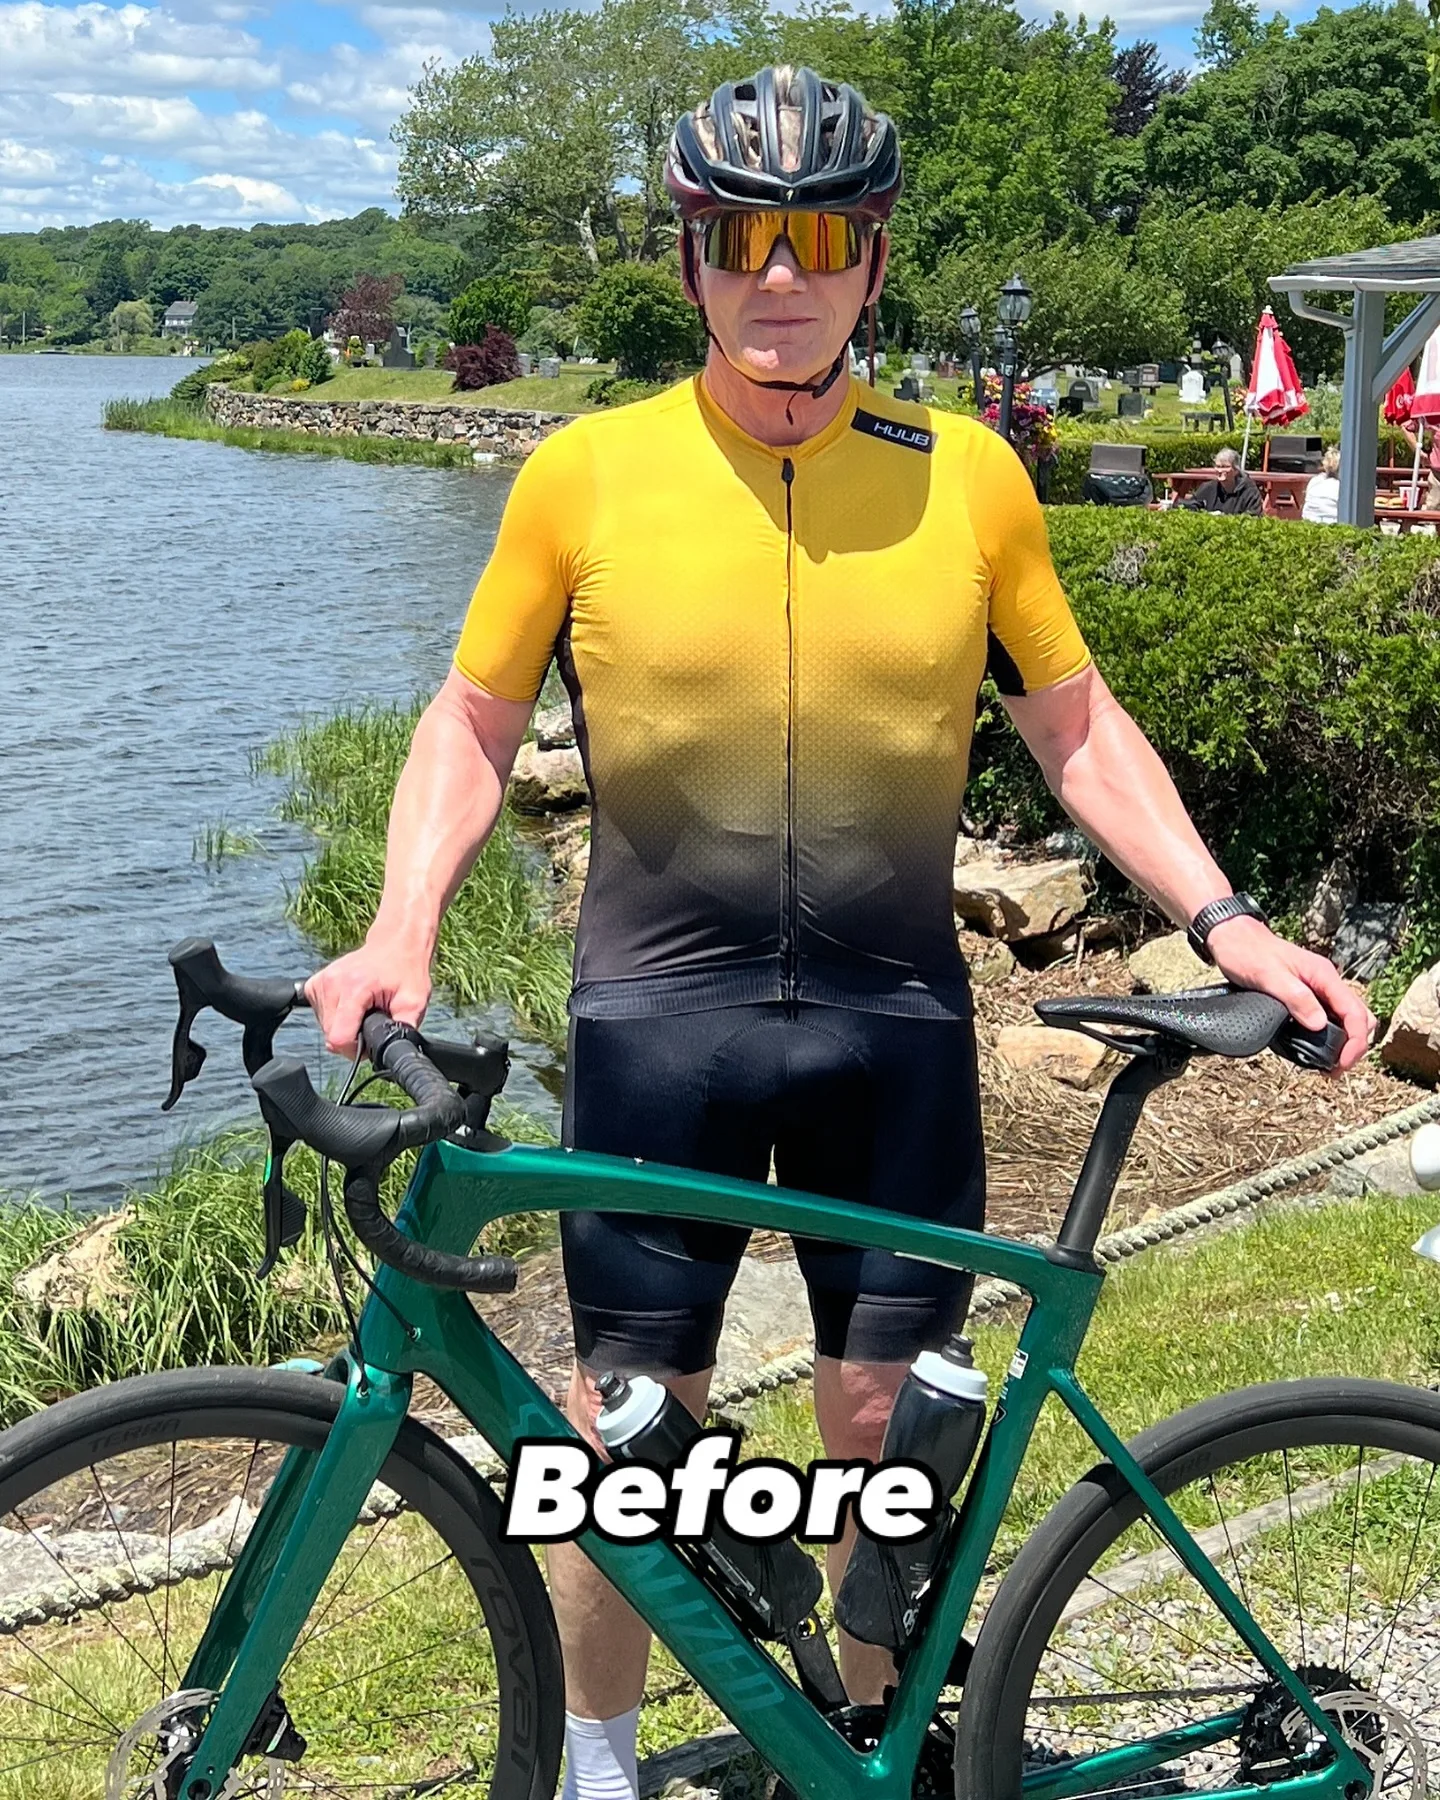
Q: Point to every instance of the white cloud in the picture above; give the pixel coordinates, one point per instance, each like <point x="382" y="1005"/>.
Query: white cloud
<point x="119" y="49"/>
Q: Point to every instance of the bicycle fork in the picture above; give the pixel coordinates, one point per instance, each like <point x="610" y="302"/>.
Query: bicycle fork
<point x="293" y="1545"/>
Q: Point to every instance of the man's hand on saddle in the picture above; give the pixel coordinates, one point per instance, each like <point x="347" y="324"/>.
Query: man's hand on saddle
<point x="380" y="974"/>
<point x="1248" y="953"/>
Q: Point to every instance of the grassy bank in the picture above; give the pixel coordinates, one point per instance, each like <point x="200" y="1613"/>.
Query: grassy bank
<point x="173" y="418"/>
<point x="495" y="941"/>
<point x="565" y="393"/>
<point x="174" y="1286"/>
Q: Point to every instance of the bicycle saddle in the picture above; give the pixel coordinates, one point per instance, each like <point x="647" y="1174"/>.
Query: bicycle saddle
<point x="1219" y="1021"/>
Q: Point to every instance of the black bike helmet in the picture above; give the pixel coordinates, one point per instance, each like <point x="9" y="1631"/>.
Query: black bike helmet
<point x="846" y="158"/>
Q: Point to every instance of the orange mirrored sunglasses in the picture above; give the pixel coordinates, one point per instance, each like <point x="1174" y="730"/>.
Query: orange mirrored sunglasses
<point x="742" y="243"/>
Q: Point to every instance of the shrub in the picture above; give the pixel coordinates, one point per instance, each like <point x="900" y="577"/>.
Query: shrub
<point x="191" y="388"/>
<point x="493" y="359"/>
<point x="639" y="316"/>
<point x="1286" y="674"/>
<point x="498" y="300"/>
<point x="618" y="390"/>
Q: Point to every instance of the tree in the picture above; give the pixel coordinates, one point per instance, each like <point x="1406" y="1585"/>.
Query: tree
<point x="366" y="309"/>
<point x="132" y="319"/>
<point x="561" y="128"/>
<point x="496" y="300"/>
<point x="1143" y="81"/>
<point x="179" y="272"/>
<point x="236" y="309"/>
<point x="1228" y="30"/>
<point x="1093" y="304"/>
<point x="108" y="283"/>
<point x="1220" y="260"/>
<point x="1332" y="108"/>
<point x="640" y="316"/>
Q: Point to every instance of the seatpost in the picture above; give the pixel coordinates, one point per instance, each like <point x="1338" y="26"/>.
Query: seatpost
<point x="1085" y="1215"/>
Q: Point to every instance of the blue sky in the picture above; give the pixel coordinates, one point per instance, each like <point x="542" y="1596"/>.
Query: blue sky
<point x="228" y="112"/>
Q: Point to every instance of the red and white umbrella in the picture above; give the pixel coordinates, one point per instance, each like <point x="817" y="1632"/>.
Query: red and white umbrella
<point x="1397" y="400"/>
<point x="1275" y="396"/>
<point x="1425" y="406"/>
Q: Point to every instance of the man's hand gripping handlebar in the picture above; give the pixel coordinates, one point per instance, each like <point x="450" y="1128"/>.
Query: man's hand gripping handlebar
<point x="365" y="1140"/>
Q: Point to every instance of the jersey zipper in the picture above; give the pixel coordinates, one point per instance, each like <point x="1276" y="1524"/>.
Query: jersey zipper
<point x="789" y="897"/>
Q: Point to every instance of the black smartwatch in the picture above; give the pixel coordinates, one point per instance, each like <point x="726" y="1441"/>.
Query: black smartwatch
<point x="1233" y="906"/>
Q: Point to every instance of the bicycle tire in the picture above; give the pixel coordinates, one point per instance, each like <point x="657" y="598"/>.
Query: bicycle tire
<point x="148" y="1418"/>
<point x="1273" y="1419"/>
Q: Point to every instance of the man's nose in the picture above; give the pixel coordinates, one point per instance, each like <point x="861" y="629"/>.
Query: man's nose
<point x="782" y="273"/>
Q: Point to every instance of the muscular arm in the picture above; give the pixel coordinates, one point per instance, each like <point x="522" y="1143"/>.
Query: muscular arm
<point x="1103" y="770"/>
<point x="446" y="803"/>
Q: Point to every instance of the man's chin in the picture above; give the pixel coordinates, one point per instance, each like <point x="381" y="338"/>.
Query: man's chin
<point x="765" y="365"/>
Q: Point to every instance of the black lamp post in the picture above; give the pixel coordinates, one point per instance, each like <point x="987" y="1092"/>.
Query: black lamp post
<point x="970" y="337"/>
<point x="1013" y="309"/>
<point x="1222" y="353"/>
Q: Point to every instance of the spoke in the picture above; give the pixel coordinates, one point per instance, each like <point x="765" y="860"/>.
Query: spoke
<point x="134" y="1572"/>
<point x="360" y="1611"/>
<point x="1354" y="1539"/>
<point x="391" y="1662"/>
<point x="243" y="1502"/>
<point x="1234" y="1559"/>
<point x="49" y="1756"/>
<point x="49" y="1669"/>
<point x="44" y="1706"/>
<point x="1294" y="1551"/>
<point x="169" y="1546"/>
<point x="85" y="1593"/>
<point x="1405" y="1580"/>
<point x="436" y="1712"/>
<point x="1165" y="1624"/>
<point x="349" y="1576"/>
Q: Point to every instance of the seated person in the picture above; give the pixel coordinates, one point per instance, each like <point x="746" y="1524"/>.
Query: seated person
<point x="1232" y="490"/>
<point x="1428" y="496"/>
<point x="1322" y="496"/>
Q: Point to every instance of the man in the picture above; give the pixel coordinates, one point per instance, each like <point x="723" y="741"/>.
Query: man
<point x="1232" y="490"/>
<point x="772" y="593"/>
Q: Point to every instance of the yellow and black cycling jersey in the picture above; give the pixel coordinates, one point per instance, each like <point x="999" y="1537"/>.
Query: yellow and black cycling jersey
<point x="773" y="657"/>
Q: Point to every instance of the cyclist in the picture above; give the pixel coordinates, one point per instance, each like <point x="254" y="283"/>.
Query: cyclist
<point x="772" y="594"/>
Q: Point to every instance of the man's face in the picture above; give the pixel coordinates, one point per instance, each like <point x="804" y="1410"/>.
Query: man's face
<point x="1228" y="474"/>
<point x="782" y="324"/>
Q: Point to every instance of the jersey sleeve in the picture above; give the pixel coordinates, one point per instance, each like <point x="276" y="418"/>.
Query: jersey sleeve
<point x="1034" y="640"/>
<point x="523" y="594"/>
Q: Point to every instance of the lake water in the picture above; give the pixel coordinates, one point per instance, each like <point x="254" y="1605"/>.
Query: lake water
<point x="166" y="609"/>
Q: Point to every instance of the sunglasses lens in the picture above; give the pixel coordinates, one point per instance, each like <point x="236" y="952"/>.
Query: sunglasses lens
<point x="743" y="242"/>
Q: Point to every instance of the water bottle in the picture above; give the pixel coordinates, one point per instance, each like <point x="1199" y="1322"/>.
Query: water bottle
<point x="771" y="1587"/>
<point x="938" y="1418"/>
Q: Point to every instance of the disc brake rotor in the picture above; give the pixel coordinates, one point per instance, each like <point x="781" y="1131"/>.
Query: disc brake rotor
<point x="176" y="1723"/>
<point x="1374" y="1730"/>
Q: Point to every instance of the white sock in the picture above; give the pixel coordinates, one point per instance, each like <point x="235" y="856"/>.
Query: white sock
<point x="600" y="1758"/>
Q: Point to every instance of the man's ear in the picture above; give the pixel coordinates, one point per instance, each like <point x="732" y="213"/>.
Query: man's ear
<point x="879" y="262"/>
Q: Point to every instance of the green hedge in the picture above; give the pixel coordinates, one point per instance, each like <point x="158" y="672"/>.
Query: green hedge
<point x="1288" y="675"/>
<point x="1169" y="451"/>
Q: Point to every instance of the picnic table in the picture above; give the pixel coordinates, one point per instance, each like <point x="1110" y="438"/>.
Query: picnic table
<point x="1283" y="495"/>
<point x="1405" y="519"/>
<point x="1202" y="419"/>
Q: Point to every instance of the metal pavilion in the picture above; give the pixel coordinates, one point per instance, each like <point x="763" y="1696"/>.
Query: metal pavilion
<point x="1373" y="359"/>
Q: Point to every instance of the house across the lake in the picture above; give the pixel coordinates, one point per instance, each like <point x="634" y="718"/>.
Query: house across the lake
<point x="179" y="319"/>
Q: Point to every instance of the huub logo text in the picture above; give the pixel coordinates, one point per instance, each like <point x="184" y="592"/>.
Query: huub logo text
<point x="558" y="1489"/>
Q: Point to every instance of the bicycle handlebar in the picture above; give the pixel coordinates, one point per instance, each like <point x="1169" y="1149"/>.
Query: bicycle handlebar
<point x="365" y="1140"/>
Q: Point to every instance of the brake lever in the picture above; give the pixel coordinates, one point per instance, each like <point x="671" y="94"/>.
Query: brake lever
<point x="201" y="981"/>
<point x="285" y="1212"/>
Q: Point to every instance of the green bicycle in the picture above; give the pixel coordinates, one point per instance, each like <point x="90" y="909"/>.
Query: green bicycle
<point x="230" y="1582"/>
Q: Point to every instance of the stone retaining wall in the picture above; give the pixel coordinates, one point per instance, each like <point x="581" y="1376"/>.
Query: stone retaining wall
<point x="488" y="430"/>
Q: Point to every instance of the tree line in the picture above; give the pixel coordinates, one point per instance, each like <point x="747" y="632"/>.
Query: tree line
<point x="1145" y="205"/>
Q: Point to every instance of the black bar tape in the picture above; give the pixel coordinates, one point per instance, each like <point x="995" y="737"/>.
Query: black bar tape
<point x="437" y="1268"/>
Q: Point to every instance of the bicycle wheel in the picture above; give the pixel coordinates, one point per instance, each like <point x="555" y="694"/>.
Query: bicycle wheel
<point x="429" y="1664"/>
<point x="1317" y="1501"/>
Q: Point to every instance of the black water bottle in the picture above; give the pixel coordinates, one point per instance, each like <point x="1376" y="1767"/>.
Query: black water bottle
<point x="938" y="1418"/>
<point x="772" y="1587"/>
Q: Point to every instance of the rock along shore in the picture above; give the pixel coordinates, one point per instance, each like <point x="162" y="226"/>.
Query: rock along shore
<point x="489" y="430"/>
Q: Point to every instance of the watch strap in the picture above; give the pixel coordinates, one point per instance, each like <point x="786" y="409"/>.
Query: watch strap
<point x="1232" y="906"/>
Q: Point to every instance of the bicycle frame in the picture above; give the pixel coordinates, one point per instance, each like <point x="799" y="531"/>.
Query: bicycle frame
<point x="453" y="1194"/>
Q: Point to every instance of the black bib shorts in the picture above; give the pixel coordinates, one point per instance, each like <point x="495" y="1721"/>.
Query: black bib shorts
<point x="861" y="1106"/>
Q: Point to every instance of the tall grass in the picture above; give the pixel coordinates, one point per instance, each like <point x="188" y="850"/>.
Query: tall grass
<point x="495" y="941"/>
<point x="178" y="418"/>
<point x="185" y="1291"/>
